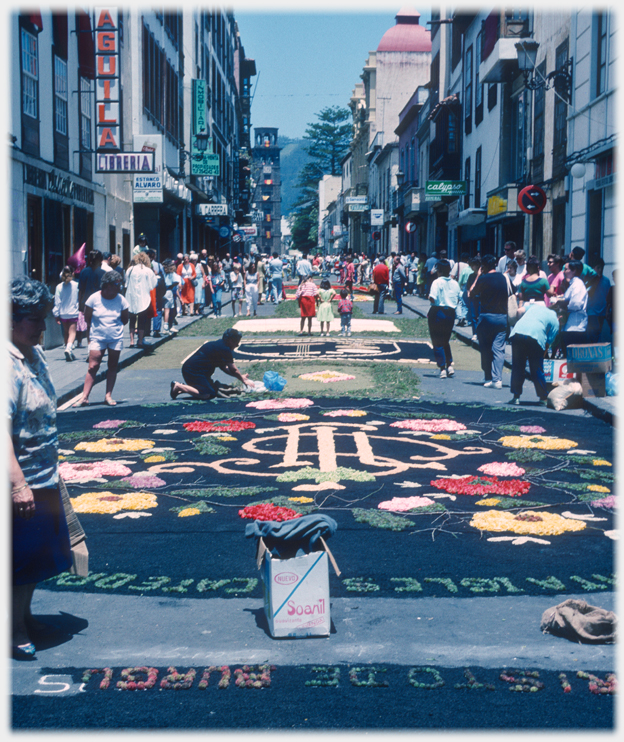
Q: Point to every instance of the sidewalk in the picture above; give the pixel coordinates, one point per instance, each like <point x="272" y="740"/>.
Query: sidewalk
<point x="604" y="408"/>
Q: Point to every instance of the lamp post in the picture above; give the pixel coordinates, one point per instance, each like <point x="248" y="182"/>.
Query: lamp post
<point x="560" y="79"/>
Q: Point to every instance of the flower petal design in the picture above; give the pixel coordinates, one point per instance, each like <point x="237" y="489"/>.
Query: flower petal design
<point x="592" y="518"/>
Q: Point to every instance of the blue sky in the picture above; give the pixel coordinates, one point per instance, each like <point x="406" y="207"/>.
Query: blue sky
<point x="308" y="60"/>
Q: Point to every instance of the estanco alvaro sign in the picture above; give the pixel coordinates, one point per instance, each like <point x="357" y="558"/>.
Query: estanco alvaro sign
<point x="437" y="189"/>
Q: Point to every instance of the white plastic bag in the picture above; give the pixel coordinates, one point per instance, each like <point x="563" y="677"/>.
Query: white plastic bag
<point x="567" y="394"/>
<point x="255" y="386"/>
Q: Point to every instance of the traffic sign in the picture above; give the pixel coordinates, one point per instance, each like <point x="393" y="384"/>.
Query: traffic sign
<point x="224" y="232"/>
<point x="410" y="227"/>
<point x="532" y="199"/>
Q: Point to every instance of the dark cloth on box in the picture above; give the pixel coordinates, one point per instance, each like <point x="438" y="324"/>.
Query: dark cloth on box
<point x="578" y="621"/>
<point x="293" y="537"/>
<point x="41" y="547"/>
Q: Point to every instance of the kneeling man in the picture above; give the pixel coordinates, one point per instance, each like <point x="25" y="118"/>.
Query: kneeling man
<point x="199" y="367"/>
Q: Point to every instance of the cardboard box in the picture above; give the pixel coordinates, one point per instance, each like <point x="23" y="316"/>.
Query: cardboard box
<point x="589" y="359"/>
<point x="296" y="592"/>
<point x="593" y="385"/>
<point x="556" y="371"/>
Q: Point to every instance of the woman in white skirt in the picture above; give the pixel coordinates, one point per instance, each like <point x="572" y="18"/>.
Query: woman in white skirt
<point x="198" y="283"/>
<point x="251" y="289"/>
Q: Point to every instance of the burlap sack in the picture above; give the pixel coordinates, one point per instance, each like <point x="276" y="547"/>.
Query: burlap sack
<point x="579" y="622"/>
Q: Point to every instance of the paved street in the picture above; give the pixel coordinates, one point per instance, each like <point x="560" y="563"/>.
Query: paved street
<point x="392" y="635"/>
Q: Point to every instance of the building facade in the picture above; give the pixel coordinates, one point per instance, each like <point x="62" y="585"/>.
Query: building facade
<point x="125" y="121"/>
<point x="266" y="196"/>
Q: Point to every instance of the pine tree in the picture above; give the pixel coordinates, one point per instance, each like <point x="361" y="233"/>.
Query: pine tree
<point x="329" y="139"/>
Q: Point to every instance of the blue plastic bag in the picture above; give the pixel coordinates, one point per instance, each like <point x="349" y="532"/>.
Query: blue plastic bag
<point x="611" y="384"/>
<point x="273" y="381"/>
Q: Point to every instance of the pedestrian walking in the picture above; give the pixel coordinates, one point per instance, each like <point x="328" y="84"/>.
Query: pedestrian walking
<point x="106" y="313"/>
<point x="199" y="283"/>
<point x="218" y="281"/>
<point x="536" y="329"/>
<point x="276" y="268"/>
<point x="66" y="309"/>
<point x="237" y="283"/>
<point x="306" y="294"/>
<point x="325" y="314"/>
<point x="345" y="309"/>
<point x="492" y="290"/>
<point x="381" y="279"/>
<point x="140" y="280"/>
<point x="88" y="283"/>
<point x="172" y="285"/>
<point x="399" y="280"/>
<point x="251" y="289"/>
<point x="304" y="269"/>
<point x="597" y="302"/>
<point x="509" y="248"/>
<point x="40" y="537"/>
<point x="444" y="296"/>
<point x="472" y="304"/>
<point x="461" y="272"/>
<point x="186" y="271"/>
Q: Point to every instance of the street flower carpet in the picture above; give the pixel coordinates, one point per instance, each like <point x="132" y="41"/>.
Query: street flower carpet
<point x="431" y="499"/>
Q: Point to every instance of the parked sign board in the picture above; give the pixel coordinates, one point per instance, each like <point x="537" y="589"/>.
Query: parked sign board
<point x="358" y="207"/>
<point x="212" y="209"/>
<point x="437" y="189"/>
<point x="356" y="200"/>
<point x="377" y="217"/>
<point x="147" y="188"/>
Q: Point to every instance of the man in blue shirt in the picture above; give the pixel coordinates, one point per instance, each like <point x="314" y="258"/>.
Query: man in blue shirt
<point x="537" y="328"/>
<point x="199" y="367"/>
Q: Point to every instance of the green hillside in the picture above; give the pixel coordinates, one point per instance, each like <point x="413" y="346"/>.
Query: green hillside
<point x="292" y="158"/>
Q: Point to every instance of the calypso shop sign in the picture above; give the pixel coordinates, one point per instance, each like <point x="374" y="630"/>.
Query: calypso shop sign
<point x="436" y="189"/>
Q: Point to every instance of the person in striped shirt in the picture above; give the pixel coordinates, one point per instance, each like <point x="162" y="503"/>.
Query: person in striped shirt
<point x="306" y="297"/>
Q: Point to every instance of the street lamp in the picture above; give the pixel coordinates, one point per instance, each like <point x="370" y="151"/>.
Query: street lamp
<point x="560" y="78"/>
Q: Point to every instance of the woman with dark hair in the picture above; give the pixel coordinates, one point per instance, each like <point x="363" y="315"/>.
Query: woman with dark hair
<point x="306" y="294"/>
<point x="106" y="314"/>
<point x="88" y="283"/>
<point x="251" y="289"/>
<point x="492" y="290"/>
<point x="444" y="296"/>
<point x="574" y="301"/>
<point x="186" y="270"/>
<point x="41" y="545"/>
<point x="140" y="280"/>
<point x="324" y="313"/>
<point x="533" y="287"/>
<point x="66" y="309"/>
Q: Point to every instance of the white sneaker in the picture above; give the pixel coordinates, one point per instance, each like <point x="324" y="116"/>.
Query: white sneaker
<point x="474" y="339"/>
<point x="489" y="384"/>
<point x="450" y="370"/>
<point x="498" y="385"/>
<point x="349" y="333"/>
<point x="443" y="373"/>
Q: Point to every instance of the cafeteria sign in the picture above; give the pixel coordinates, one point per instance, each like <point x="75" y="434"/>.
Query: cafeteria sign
<point x="437" y="189"/>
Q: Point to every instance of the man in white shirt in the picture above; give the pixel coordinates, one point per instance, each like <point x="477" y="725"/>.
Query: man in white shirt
<point x="510" y="249"/>
<point x="575" y="301"/>
<point x="304" y="268"/>
<point x="275" y="268"/>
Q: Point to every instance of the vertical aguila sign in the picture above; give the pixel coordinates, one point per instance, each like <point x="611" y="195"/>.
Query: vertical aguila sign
<point x="107" y="87"/>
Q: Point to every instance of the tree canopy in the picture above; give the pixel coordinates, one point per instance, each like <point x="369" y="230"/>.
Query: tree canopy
<point x="329" y="139"/>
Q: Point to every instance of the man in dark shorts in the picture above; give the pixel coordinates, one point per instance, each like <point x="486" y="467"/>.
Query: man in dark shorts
<point x="199" y="367"/>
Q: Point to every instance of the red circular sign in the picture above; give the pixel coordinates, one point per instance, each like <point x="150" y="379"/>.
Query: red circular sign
<point x="410" y="227"/>
<point x="532" y="199"/>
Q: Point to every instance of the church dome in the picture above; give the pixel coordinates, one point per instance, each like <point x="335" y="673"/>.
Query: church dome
<point x="407" y="35"/>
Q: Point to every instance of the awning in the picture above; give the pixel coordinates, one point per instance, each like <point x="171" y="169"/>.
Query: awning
<point x="34" y="17"/>
<point x="86" y="45"/>
<point x="471" y="217"/>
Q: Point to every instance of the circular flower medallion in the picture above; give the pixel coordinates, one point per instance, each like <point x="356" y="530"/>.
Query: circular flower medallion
<point x="111" y="445"/>
<point x="536" y="441"/>
<point x="530" y="523"/>
<point x="108" y="503"/>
